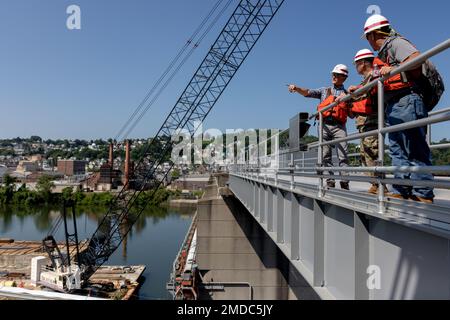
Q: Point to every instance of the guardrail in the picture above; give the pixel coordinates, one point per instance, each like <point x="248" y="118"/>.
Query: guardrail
<point x="380" y="171"/>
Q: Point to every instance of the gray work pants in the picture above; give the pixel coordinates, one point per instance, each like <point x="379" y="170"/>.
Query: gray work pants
<point x="332" y="132"/>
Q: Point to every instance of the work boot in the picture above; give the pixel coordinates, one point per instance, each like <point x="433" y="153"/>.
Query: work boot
<point x="345" y="185"/>
<point x="331" y="184"/>
<point x="422" y="199"/>
<point x="397" y="196"/>
<point x="374" y="189"/>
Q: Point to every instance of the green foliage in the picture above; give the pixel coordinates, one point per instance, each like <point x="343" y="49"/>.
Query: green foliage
<point x="94" y="199"/>
<point x="7" y="190"/>
<point x="441" y="157"/>
<point x="44" y="187"/>
<point x="7" y="152"/>
<point x="78" y="196"/>
<point x="153" y="147"/>
<point x="67" y="193"/>
<point x="175" y="173"/>
<point x="309" y="139"/>
<point x="35" y="139"/>
<point x="198" y="194"/>
<point x="152" y="197"/>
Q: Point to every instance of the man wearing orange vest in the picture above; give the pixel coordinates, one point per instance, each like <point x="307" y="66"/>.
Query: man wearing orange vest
<point x="403" y="103"/>
<point x="333" y="121"/>
<point x="364" y="110"/>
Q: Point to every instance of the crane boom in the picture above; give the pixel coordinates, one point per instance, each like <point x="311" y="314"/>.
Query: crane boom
<point x="243" y="29"/>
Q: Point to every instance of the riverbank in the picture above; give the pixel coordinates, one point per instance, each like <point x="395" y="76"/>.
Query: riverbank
<point x="24" y="199"/>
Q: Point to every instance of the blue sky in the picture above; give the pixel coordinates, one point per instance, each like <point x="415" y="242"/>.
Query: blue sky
<point x="58" y="83"/>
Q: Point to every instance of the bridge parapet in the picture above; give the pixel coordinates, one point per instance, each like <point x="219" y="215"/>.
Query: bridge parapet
<point x="348" y="251"/>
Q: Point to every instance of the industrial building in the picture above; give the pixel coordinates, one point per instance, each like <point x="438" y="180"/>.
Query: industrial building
<point x="71" y="167"/>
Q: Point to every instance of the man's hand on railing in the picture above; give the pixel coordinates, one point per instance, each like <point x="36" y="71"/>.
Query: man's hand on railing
<point x="340" y="97"/>
<point x="352" y="89"/>
<point x="386" y="70"/>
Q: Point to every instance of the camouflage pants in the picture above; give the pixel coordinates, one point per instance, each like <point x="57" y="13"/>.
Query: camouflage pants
<point x="368" y="145"/>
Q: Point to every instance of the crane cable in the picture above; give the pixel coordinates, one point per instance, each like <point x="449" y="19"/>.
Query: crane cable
<point x="56" y="225"/>
<point x="170" y="67"/>
<point x="176" y="70"/>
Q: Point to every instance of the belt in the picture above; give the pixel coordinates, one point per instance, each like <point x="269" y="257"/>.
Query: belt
<point x="398" y="94"/>
<point x="331" y="121"/>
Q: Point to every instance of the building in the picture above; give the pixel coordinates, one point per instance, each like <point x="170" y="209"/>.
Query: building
<point x="71" y="167"/>
<point x="27" y="166"/>
<point x="191" y="182"/>
<point x="3" y="170"/>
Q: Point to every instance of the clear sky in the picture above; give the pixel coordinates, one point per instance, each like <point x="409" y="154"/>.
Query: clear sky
<point x="60" y="83"/>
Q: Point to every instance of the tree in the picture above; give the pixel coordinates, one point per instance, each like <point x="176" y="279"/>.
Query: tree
<point x="8" y="188"/>
<point x="175" y="173"/>
<point x="67" y="193"/>
<point x="35" y="139"/>
<point x="44" y="187"/>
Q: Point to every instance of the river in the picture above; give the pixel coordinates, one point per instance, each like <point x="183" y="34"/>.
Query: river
<point x="153" y="241"/>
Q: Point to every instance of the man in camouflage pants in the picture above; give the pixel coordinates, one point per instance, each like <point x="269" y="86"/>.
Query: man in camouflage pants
<point x="365" y="113"/>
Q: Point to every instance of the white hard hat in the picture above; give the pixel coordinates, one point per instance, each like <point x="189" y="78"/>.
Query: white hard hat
<point x="375" y="22"/>
<point x="363" y="54"/>
<point x="341" y="69"/>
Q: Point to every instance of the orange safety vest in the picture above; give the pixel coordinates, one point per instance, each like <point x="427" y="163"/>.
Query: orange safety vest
<point x="339" y="112"/>
<point x="364" y="105"/>
<point x="394" y="83"/>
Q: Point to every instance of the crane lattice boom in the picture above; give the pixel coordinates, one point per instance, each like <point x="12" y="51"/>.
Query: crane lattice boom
<point x="243" y="29"/>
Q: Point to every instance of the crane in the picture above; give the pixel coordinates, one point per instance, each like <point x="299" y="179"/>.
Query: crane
<point x="227" y="54"/>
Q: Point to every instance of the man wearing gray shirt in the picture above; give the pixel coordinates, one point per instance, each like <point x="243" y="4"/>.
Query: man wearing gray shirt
<point x="403" y="103"/>
<point x="332" y="128"/>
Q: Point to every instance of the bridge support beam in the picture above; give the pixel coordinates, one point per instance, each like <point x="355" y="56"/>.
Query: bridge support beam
<point x="295" y="228"/>
<point x="362" y="249"/>
<point x="272" y="206"/>
<point x="280" y="216"/>
<point x="319" y="250"/>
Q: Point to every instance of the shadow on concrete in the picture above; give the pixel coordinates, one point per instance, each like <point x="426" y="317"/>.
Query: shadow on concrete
<point x="269" y="254"/>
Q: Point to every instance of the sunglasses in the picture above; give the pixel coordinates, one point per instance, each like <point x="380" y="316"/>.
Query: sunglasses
<point x="337" y="75"/>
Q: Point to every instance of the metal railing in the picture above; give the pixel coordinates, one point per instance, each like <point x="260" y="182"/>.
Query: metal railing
<point x="380" y="171"/>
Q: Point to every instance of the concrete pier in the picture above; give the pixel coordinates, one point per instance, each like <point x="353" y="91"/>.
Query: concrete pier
<point x="236" y="258"/>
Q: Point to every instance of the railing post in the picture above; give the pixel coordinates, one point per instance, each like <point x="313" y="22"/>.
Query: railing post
<point x="381" y="197"/>
<point x="429" y="134"/>
<point x="320" y="155"/>
<point x="303" y="159"/>
<point x="291" y="170"/>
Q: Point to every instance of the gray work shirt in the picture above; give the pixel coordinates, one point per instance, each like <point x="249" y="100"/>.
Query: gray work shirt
<point x="321" y="93"/>
<point x="395" y="50"/>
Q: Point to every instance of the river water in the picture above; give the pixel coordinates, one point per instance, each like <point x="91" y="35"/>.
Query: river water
<point x="153" y="241"/>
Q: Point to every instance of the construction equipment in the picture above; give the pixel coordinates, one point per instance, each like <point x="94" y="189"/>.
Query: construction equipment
<point x="241" y="32"/>
<point x="65" y="274"/>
